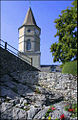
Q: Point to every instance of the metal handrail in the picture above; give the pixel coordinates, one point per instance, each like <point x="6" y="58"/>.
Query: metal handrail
<point x="16" y="54"/>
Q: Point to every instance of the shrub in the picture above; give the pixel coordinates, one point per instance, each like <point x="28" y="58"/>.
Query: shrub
<point x="72" y="109"/>
<point x="25" y="104"/>
<point x="70" y="67"/>
<point x="37" y="91"/>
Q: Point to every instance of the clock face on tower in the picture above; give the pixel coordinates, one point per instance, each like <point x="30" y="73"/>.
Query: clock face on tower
<point x="36" y="31"/>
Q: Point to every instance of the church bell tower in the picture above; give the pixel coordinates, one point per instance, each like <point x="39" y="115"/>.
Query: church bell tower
<point x="29" y="39"/>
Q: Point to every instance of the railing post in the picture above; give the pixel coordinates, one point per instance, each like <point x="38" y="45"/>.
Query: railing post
<point x="31" y="61"/>
<point x="5" y="45"/>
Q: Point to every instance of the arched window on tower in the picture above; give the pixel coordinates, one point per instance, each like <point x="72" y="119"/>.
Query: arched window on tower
<point x="28" y="46"/>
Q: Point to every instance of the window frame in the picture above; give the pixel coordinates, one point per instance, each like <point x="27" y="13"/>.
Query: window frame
<point x="28" y="45"/>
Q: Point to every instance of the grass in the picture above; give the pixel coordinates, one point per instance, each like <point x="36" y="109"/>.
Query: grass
<point x="7" y="100"/>
<point x="48" y="111"/>
<point x="26" y="104"/>
<point x="46" y="115"/>
<point x="61" y="66"/>
<point x="70" y="68"/>
<point x="37" y="91"/>
<point x="26" y="109"/>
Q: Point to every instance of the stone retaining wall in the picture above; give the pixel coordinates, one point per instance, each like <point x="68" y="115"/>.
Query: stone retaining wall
<point x="10" y="63"/>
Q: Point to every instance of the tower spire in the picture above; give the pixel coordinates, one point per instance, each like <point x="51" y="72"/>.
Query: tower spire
<point x="29" y="19"/>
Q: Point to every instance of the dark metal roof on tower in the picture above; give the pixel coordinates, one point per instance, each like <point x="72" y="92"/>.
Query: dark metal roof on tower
<point x="29" y="19"/>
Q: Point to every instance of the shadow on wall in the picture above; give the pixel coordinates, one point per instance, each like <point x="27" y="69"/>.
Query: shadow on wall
<point x="14" y="75"/>
<point x="11" y="63"/>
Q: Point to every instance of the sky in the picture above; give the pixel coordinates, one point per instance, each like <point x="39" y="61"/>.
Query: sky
<point x="45" y="12"/>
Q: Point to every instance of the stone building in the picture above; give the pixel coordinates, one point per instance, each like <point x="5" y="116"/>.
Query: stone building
<point x="29" y="39"/>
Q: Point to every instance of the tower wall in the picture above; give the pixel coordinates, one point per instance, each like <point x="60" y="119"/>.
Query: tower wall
<point x="21" y="39"/>
<point x="29" y="39"/>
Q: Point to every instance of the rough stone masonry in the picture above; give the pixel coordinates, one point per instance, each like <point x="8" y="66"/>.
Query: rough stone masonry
<point x="26" y="93"/>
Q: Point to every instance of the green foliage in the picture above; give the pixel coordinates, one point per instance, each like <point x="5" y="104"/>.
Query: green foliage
<point x="57" y="119"/>
<point x="73" y="106"/>
<point x="61" y="66"/>
<point x="66" y="108"/>
<point x="46" y="115"/>
<point x="49" y="110"/>
<point x="70" y="67"/>
<point x="25" y="104"/>
<point x="66" y="26"/>
<point x="7" y="100"/>
<point x="49" y="118"/>
<point x="26" y="109"/>
<point x="37" y="91"/>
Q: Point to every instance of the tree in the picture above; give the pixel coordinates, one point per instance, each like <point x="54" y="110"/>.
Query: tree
<point x="66" y="47"/>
